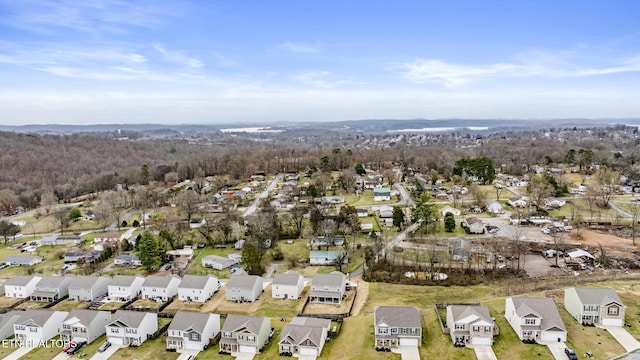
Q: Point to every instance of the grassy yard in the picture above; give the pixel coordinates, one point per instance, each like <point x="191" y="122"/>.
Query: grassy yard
<point x="68" y="305"/>
<point x="32" y="305"/>
<point x="111" y="306"/>
<point x="196" y="267"/>
<point x="150" y="349"/>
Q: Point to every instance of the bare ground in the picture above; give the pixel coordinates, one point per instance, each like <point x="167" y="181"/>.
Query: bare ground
<point x="315" y="308"/>
<point x="361" y="297"/>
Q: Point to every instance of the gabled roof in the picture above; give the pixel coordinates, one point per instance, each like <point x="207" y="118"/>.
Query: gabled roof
<point x="85" y="282"/>
<point x="83" y="317"/>
<point x="299" y="334"/>
<point x="35" y="317"/>
<point x="544" y="308"/>
<point x="186" y="320"/>
<point x="131" y="319"/>
<point x="600" y="296"/>
<point x="51" y="281"/>
<point x="20" y="280"/>
<point x="195" y="281"/>
<point x="333" y="280"/>
<point x="158" y="281"/>
<point x="9" y="318"/>
<point x="123" y="280"/>
<point x="243" y="281"/>
<point x="469" y="313"/>
<point x="288" y="278"/>
<point x="215" y="259"/>
<point x="251" y="324"/>
<point x="397" y="316"/>
<point x="19" y="259"/>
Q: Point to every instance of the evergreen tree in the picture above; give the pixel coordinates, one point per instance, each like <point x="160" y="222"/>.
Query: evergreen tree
<point x="251" y="260"/>
<point x="449" y="222"/>
<point x="149" y="253"/>
<point x="398" y="216"/>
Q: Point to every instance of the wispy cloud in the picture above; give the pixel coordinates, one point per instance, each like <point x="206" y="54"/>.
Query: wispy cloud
<point x="178" y="57"/>
<point x="321" y="79"/>
<point x="301" y="48"/>
<point x="114" y="16"/>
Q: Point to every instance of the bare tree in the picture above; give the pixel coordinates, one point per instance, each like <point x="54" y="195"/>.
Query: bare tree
<point x="558" y="243"/>
<point x="48" y="201"/>
<point x="606" y="179"/>
<point x="188" y="201"/>
<point x="539" y="189"/>
<point x="8" y="201"/>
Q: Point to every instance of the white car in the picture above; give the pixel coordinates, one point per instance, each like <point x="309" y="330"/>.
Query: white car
<point x="545" y="230"/>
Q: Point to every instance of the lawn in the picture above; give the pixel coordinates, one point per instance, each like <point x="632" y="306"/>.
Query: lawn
<point x="275" y="308"/>
<point x="146" y="303"/>
<point x="150" y="349"/>
<point x="196" y="267"/>
<point x="50" y="266"/>
<point x="68" y="305"/>
<point x="5" y="301"/>
<point x="31" y="305"/>
<point x="111" y="306"/>
<point x="366" y="198"/>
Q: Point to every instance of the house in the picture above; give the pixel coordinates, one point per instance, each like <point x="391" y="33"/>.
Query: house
<point x="449" y="209"/>
<point x="326" y="241"/>
<point x="131" y="327"/>
<point x="329" y="200"/>
<point x="198" y="288"/>
<point x="382" y="194"/>
<point x="126" y="259"/>
<point x="362" y="212"/>
<point x="192" y="330"/>
<point x="554" y="203"/>
<point x="36" y="326"/>
<point x="88" y="288"/>
<point x="79" y="255"/>
<point x="21" y="286"/>
<point x="396" y="326"/>
<point x="535" y="318"/>
<point x="470" y="324"/>
<point x="186" y="252"/>
<point x="244" y="334"/>
<point x="51" y="288"/>
<point x="366" y="225"/>
<point x="599" y="306"/>
<point x="317" y="257"/>
<point x="18" y="260"/>
<point x="473" y="225"/>
<point x="518" y="202"/>
<point x="244" y="288"/>
<point x="6" y="323"/>
<point x="124" y="287"/>
<point x="304" y="336"/>
<point x="460" y="248"/>
<point x="217" y="262"/>
<point x="63" y="240"/>
<point x="287" y="286"/>
<point x="328" y="288"/>
<point x="493" y="207"/>
<point x="85" y="325"/>
<point x="197" y="223"/>
<point x="160" y="287"/>
<point x="103" y="240"/>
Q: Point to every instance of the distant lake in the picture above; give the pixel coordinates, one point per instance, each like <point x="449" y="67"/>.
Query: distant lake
<point x="250" y="130"/>
<point x="441" y="129"/>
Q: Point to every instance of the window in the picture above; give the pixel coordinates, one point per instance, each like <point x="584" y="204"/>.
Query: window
<point x="613" y="311"/>
<point x="527" y="333"/>
<point x="114" y="330"/>
<point x="459" y="326"/>
<point x="476" y="328"/>
<point x="33" y="329"/>
<point x="21" y="327"/>
<point x="66" y="326"/>
<point x="195" y="336"/>
<point x="383" y="330"/>
<point x="404" y="330"/>
<point x="251" y="338"/>
<point x="529" y="321"/>
<point x="487" y="329"/>
<point x="227" y="334"/>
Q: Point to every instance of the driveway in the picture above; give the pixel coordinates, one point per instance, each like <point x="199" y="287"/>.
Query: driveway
<point x="186" y="353"/>
<point x="408" y="352"/>
<point x="244" y="356"/>
<point x="625" y="339"/>
<point x="307" y="357"/>
<point x="18" y="353"/>
<point x="484" y="352"/>
<point x="557" y="349"/>
<point x="107" y="353"/>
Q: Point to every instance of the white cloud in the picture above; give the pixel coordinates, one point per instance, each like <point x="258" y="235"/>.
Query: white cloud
<point x="301" y="48"/>
<point x="321" y="79"/>
<point x="178" y="57"/>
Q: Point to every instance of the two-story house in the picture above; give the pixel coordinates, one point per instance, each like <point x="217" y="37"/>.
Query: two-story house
<point x="599" y="306"/>
<point x="470" y="324"/>
<point x="244" y="334"/>
<point x="287" y="286"/>
<point x="304" y="336"/>
<point x="51" y="288"/>
<point x="124" y="287"/>
<point x="36" y="326"/>
<point x="21" y="286"/>
<point x="244" y="288"/>
<point x="131" y="328"/>
<point x="6" y="323"/>
<point x="192" y="330"/>
<point x="328" y="288"/>
<point x="198" y="288"/>
<point x="160" y="287"/>
<point x="88" y="288"/>
<point x="396" y="326"/>
<point x="535" y="318"/>
<point x="85" y="325"/>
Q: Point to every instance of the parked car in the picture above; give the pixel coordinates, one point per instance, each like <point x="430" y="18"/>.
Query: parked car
<point x="73" y="349"/>
<point x="570" y="354"/>
<point x="104" y="346"/>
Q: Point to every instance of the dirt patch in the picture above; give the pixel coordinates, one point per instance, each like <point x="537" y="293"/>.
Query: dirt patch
<point x="342" y="308"/>
<point x="225" y="306"/>
<point x="361" y="296"/>
<point x="208" y="306"/>
<point x="6" y="302"/>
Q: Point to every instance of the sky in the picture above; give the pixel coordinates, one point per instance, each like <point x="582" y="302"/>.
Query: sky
<point x="116" y="61"/>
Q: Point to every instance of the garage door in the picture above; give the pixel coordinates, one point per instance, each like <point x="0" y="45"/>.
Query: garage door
<point x="308" y="351"/>
<point x="554" y="336"/>
<point x="116" y="340"/>
<point x="408" y="342"/>
<point x="611" y="322"/>
<point x="247" y="349"/>
<point x="481" y="341"/>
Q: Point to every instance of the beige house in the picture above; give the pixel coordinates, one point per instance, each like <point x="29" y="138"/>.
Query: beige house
<point x="470" y="324"/>
<point x="244" y="334"/>
<point x="535" y="318"/>
<point x="304" y="336"/>
<point x="595" y="306"/>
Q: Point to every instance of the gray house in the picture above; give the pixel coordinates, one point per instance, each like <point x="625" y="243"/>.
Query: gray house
<point x="85" y="325"/>
<point x="244" y="334"/>
<point x="244" y="288"/>
<point x="396" y="326"/>
<point x="328" y="288"/>
<point x="88" y="288"/>
<point x="51" y="288"/>
<point x="22" y="260"/>
<point x="6" y="323"/>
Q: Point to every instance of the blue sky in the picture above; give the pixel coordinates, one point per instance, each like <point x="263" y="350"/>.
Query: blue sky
<point x="98" y="61"/>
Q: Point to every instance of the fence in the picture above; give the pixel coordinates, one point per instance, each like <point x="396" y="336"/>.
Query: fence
<point x="53" y="303"/>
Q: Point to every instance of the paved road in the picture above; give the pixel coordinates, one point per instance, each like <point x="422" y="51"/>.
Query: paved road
<point x="625" y="339"/>
<point x="396" y="241"/>
<point x="484" y="352"/>
<point x="251" y="209"/>
<point x="406" y="197"/>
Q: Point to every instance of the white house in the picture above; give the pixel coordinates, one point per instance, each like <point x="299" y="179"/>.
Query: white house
<point x="382" y="194"/>
<point x="470" y="324"/>
<point x="244" y="288"/>
<point x="126" y="259"/>
<point x="217" y="262"/>
<point x="51" y="288"/>
<point x="88" y="288"/>
<point x="328" y="288"/>
<point x="160" y="287"/>
<point x="85" y="325"/>
<point x="535" y="318"/>
<point x="599" y="306"/>
<point x="287" y="286"/>
<point x="21" y="286"/>
<point x="6" y="323"/>
<point x="131" y="327"/>
<point x="449" y="209"/>
<point x="396" y="326"/>
<point x="19" y="260"/>
<point x="35" y="326"/>
<point x="198" y="288"/>
<point x="321" y="257"/>
<point x="124" y="287"/>
<point x="304" y="336"/>
<point x="192" y="330"/>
